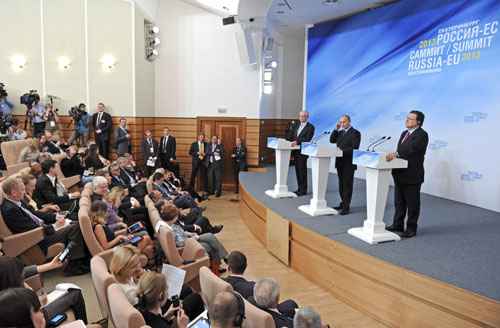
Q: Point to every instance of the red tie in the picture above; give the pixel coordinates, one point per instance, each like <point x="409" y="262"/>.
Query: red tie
<point x="406" y="136"/>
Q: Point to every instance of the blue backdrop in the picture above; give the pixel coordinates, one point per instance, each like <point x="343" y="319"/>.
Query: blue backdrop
<point x="441" y="57"/>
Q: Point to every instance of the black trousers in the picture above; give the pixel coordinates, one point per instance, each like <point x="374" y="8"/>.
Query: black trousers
<point x="66" y="235"/>
<point x="407" y="202"/>
<point x="197" y="166"/>
<point x="72" y="300"/>
<point x="346" y="180"/>
<point x="102" y="142"/>
<point x="301" y="171"/>
<point x="38" y="129"/>
<point x="215" y="177"/>
<point x="168" y="165"/>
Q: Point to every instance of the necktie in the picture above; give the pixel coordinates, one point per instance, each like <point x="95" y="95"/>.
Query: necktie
<point x="99" y="116"/>
<point x="406" y="136"/>
<point x="202" y="148"/>
<point x="33" y="217"/>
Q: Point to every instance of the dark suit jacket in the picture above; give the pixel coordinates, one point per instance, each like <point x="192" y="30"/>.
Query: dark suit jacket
<point x="105" y="125"/>
<point x="46" y="193"/>
<point x="169" y="152"/>
<point x="18" y="221"/>
<point x="72" y="166"/>
<point x="218" y="149"/>
<point x="48" y="218"/>
<point x="240" y="160"/>
<point x="146" y="149"/>
<point x="194" y="151"/>
<point x="126" y="177"/>
<point x="241" y="285"/>
<point x="119" y="182"/>
<point x="305" y="135"/>
<point x="347" y="142"/>
<point x="52" y="147"/>
<point x="412" y="150"/>
<point x="122" y="142"/>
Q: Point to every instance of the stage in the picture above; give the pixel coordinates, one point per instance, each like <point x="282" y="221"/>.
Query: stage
<point x="452" y="265"/>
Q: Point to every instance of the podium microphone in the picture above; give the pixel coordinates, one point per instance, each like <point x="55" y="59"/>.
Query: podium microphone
<point x="381" y="142"/>
<point x="316" y="139"/>
<point x="374" y="142"/>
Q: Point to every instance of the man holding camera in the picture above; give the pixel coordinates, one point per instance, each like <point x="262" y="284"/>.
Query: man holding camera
<point x="37" y="113"/>
<point x="5" y="105"/>
<point x="81" y="120"/>
<point x="101" y="122"/>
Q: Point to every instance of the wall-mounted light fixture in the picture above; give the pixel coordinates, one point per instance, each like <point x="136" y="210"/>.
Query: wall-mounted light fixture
<point x="18" y="62"/>
<point x="152" y="40"/>
<point x="272" y="64"/>
<point x="64" y="63"/>
<point x="108" y="62"/>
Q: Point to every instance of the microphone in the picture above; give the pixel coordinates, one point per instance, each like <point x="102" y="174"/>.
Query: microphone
<point x="374" y="142"/>
<point x="316" y="139"/>
<point x="381" y="142"/>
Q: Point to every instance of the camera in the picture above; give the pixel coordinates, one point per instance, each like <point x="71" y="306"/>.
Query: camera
<point x="30" y="98"/>
<point x="76" y="112"/>
<point x="3" y="92"/>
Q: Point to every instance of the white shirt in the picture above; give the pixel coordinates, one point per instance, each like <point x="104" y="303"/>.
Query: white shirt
<point x="301" y="127"/>
<point x="52" y="179"/>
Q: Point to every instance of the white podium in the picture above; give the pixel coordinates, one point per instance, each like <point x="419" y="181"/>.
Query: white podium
<point x="320" y="163"/>
<point x="282" y="148"/>
<point x="378" y="177"/>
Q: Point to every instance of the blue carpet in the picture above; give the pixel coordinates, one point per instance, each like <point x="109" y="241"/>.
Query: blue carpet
<point x="456" y="243"/>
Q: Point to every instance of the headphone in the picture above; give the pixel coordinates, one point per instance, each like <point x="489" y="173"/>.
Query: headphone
<point x="240" y="315"/>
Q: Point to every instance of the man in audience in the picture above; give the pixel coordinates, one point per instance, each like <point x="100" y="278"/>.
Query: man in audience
<point x="116" y="179"/>
<point x="307" y="318"/>
<point x="101" y="122"/>
<point x="37" y="113"/>
<point x="215" y="160"/>
<point x="149" y="149"/>
<point x="266" y="295"/>
<point x="51" y="145"/>
<point x="72" y="164"/>
<point x="20" y="219"/>
<point x="237" y="264"/>
<point x="226" y="311"/>
<point x="48" y="190"/>
<point x="197" y="152"/>
<point x="167" y="151"/>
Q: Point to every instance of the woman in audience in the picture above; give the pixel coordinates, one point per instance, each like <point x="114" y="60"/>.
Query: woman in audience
<point x="31" y="152"/>
<point x="152" y="294"/>
<point x="127" y="267"/>
<point x="15" y="132"/>
<point x="216" y="251"/>
<point x="20" y="307"/>
<point x="113" y="199"/>
<point x="14" y="272"/>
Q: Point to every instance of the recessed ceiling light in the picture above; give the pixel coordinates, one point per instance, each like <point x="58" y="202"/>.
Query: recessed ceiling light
<point x="329" y="2"/>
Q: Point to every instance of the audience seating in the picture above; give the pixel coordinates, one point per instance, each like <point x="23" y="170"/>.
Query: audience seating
<point x="154" y="216"/>
<point x="101" y="280"/>
<point x="122" y="313"/>
<point x="25" y="245"/>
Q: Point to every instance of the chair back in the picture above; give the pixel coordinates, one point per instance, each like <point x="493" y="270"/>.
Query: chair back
<point x="154" y="215"/>
<point x="101" y="279"/>
<point x="123" y="314"/>
<point x="211" y="285"/>
<point x="86" y="225"/>
<point x="257" y="318"/>
<point x="167" y="242"/>
<point x="12" y="149"/>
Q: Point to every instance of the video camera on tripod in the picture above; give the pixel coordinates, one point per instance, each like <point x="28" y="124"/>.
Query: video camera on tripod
<point x="28" y="99"/>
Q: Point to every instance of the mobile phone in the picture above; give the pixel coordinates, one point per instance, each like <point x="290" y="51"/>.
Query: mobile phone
<point x="65" y="253"/>
<point x="175" y="301"/>
<point x="135" y="240"/>
<point x="135" y="227"/>
<point x="57" y="319"/>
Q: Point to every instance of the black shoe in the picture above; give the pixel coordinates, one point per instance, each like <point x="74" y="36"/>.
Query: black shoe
<point x="217" y="194"/>
<point x="344" y="211"/>
<point x="217" y="228"/>
<point x="338" y="207"/>
<point x="300" y="193"/>
<point x="393" y="228"/>
<point x="408" y="234"/>
<point x="73" y="269"/>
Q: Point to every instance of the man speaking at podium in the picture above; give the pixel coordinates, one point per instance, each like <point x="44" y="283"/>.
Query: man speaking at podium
<point x="298" y="133"/>
<point x="407" y="182"/>
<point x="347" y="139"/>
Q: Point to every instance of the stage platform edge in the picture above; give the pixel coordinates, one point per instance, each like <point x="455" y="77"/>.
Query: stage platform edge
<point x="393" y="295"/>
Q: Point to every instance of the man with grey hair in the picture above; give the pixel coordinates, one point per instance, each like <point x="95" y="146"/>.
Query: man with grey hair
<point x="306" y="318"/>
<point x="266" y="295"/>
<point x="99" y="188"/>
<point x="224" y="312"/>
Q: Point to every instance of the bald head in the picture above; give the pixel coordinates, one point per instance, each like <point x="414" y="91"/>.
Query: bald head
<point x="223" y="310"/>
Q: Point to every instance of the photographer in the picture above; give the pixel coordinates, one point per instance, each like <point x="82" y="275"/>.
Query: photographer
<point x="37" y="113"/>
<point x="52" y="119"/>
<point x="81" y="120"/>
<point x="5" y="110"/>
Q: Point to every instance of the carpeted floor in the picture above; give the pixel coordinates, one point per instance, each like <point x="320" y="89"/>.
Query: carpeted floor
<point x="456" y="243"/>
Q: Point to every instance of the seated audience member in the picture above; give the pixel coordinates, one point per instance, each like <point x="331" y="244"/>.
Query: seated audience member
<point x="15" y="132"/>
<point x="116" y="179"/>
<point x="14" y="273"/>
<point x="170" y="215"/>
<point x="152" y="294"/>
<point x="106" y="236"/>
<point x="127" y="267"/>
<point x="113" y="199"/>
<point x="72" y="164"/>
<point x="20" y="219"/>
<point x="306" y="317"/>
<point x="48" y="190"/>
<point x="182" y="199"/>
<point x="266" y="296"/>
<point x="99" y="188"/>
<point x="93" y="161"/>
<point x="46" y="213"/>
<point x="227" y="311"/>
<point x="132" y="178"/>
<point x="36" y="169"/>
<point x="52" y="146"/>
<point x="20" y="307"/>
<point x="31" y="152"/>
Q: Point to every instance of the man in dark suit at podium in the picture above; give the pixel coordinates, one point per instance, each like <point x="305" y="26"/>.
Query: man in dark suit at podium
<point x="347" y="139"/>
<point x="407" y="182"/>
<point x="298" y="133"/>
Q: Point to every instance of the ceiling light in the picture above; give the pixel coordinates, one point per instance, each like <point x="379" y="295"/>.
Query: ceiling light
<point x="329" y="2"/>
<point x="155" y="30"/>
<point x="63" y="62"/>
<point x="108" y="62"/>
<point x="18" y="62"/>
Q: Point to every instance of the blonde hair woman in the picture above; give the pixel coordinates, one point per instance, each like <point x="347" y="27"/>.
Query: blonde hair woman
<point x="127" y="266"/>
<point x="113" y="199"/>
<point x="31" y="152"/>
<point x="152" y="292"/>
